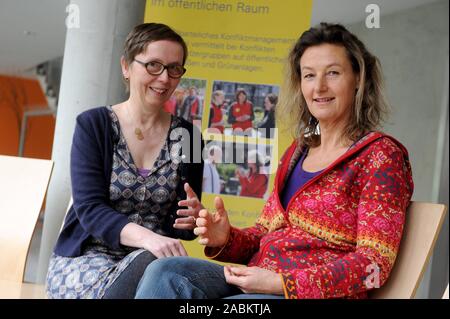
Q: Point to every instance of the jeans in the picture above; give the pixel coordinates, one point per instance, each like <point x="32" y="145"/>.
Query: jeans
<point x="124" y="287"/>
<point x="188" y="278"/>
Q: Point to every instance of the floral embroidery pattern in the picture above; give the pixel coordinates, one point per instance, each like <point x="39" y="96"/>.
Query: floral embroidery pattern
<point x="342" y="223"/>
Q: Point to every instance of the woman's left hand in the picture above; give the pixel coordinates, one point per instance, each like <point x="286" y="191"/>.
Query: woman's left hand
<point x="254" y="280"/>
<point x="191" y="213"/>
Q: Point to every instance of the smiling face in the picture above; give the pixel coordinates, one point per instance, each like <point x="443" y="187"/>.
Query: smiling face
<point x="153" y="90"/>
<point x="328" y="83"/>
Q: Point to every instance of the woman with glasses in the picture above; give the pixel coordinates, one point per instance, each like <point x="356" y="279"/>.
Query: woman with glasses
<point x="333" y="224"/>
<point x="130" y="178"/>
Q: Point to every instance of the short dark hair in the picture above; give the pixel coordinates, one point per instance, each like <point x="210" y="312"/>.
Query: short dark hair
<point x="145" y="33"/>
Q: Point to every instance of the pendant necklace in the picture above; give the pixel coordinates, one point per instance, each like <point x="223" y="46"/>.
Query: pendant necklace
<point x="137" y="131"/>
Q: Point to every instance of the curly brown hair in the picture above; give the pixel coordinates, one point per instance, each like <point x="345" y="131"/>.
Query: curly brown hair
<point x="370" y="107"/>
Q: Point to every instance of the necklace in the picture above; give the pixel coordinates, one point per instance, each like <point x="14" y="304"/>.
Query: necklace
<point x="137" y="130"/>
<point x="138" y="133"/>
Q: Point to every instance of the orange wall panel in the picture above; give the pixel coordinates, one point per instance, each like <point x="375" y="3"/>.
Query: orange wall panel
<point x="39" y="138"/>
<point x="18" y="95"/>
<point x="9" y="130"/>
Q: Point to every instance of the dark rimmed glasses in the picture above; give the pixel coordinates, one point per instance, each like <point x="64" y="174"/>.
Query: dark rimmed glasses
<point x="175" y="71"/>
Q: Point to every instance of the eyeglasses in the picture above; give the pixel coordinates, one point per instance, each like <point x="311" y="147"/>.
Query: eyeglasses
<point x="175" y="71"/>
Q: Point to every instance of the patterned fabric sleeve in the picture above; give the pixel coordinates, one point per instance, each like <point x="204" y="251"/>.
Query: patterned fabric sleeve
<point x="386" y="193"/>
<point x="241" y="245"/>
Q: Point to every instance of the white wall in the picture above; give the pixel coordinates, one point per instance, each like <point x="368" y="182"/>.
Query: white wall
<point x="413" y="47"/>
<point x="31" y="32"/>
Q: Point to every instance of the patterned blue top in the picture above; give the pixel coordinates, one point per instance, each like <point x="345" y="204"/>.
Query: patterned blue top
<point x="96" y="148"/>
<point x="149" y="201"/>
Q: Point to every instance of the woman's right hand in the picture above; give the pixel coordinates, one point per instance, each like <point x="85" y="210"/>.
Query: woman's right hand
<point x="134" y="235"/>
<point x="162" y="246"/>
<point x="213" y="229"/>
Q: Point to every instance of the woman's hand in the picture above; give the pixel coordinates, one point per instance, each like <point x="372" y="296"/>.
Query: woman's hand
<point x="134" y="235"/>
<point x="162" y="246"/>
<point x="194" y="207"/>
<point x="254" y="280"/>
<point x="213" y="229"/>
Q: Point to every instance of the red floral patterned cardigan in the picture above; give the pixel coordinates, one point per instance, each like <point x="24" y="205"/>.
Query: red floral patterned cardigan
<point x="340" y="233"/>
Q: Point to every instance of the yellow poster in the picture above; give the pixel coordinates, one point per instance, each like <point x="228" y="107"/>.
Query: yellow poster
<point x="237" y="51"/>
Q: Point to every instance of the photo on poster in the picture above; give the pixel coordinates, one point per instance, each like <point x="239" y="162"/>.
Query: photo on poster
<point x="243" y="109"/>
<point x="187" y="101"/>
<point x="237" y="169"/>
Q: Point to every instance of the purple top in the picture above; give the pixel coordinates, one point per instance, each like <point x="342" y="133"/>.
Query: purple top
<point x="296" y="180"/>
<point x="143" y="172"/>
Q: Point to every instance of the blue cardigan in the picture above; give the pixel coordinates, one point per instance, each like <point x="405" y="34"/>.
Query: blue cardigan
<point x="90" y="169"/>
